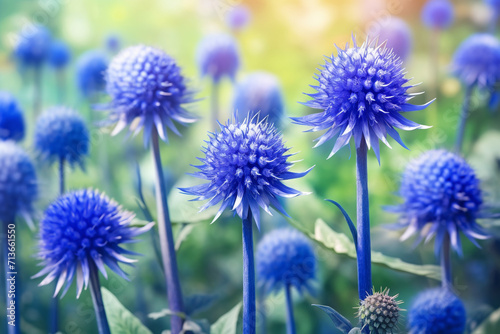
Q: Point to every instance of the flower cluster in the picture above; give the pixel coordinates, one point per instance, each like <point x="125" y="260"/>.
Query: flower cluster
<point x="218" y="57"/>
<point x="90" y="70"/>
<point x="11" y="118"/>
<point x="380" y="312"/>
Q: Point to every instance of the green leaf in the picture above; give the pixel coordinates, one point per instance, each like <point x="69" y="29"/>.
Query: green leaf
<point x="184" y="231"/>
<point x="121" y="321"/>
<point x="228" y="323"/>
<point x="338" y="319"/>
<point x="490" y="325"/>
<point x="165" y="312"/>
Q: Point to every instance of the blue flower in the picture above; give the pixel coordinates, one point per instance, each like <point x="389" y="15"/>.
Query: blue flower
<point x="81" y="229"/>
<point x="285" y="257"/>
<point x="379" y="313"/>
<point x="477" y="61"/>
<point x="260" y="93"/>
<point x="61" y="133"/>
<point x="90" y="70"/>
<point x="238" y="17"/>
<point x="398" y="35"/>
<point x="113" y="43"/>
<point x="146" y="84"/>
<point x="218" y="57"/>
<point x="18" y="184"/>
<point x="361" y="94"/>
<point x="441" y="197"/>
<point x="438" y="14"/>
<point x="33" y="46"/>
<point x="11" y="118"/>
<point x="60" y="55"/>
<point x="437" y="311"/>
<point x="245" y="164"/>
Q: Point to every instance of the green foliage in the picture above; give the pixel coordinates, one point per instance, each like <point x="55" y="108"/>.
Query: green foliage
<point x="490" y="325"/>
<point x="228" y="323"/>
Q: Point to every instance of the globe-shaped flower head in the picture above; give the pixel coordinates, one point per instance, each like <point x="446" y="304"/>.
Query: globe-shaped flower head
<point x="438" y="14"/>
<point x="397" y="35"/>
<point x="60" y="55"/>
<point x="437" y="311"/>
<point x="90" y="70"/>
<point x="11" y="118"/>
<point x="238" y="17"/>
<point x="477" y="61"/>
<point x="245" y="164"/>
<point x="61" y="134"/>
<point x="218" y="57"/>
<point x="113" y="43"/>
<point x="33" y="46"/>
<point x="82" y="230"/>
<point x="441" y="197"/>
<point x="380" y="313"/>
<point x="285" y="257"/>
<point x="146" y="84"/>
<point x="259" y="93"/>
<point x="18" y="185"/>
<point x="361" y="94"/>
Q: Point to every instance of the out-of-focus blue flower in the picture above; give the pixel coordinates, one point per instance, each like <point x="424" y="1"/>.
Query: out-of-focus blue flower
<point x="238" y="17"/>
<point x="437" y="311"/>
<point x="33" y="46"/>
<point x="60" y="55"/>
<point x="18" y="184"/>
<point x="81" y="229"/>
<point x="61" y="133"/>
<point x="260" y="92"/>
<point x="438" y="14"/>
<point x="90" y="70"/>
<point x="11" y="118"/>
<point x="245" y="164"/>
<point x="398" y="36"/>
<point x="218" y="57"/>
<point x="361" y="94"/>
<point x="113" y="43"/>
<point x="147" y="84"/>
<point x="285" y="257"/>
<point x="477" y="61"/>
<point x="441" y="197"/>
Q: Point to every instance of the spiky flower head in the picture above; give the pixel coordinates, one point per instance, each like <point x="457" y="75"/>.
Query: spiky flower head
<point x="146" y="84"/>
<point x="260" y="92"/>
<point x="18" y="184"/>
<point x="60" y="55"/>
<point x="32" y="46"/>
<point x="61" y="134"/>
<point x="218" y="57"/>
<point x="361" y="94"/>
<point x="397" y="35"/>
<point x="477" y="61"/>
<point x="80" y="231"/>
<point x="245" y="164"/>
<point x="285" y="257"/>
<point x="441" y="197"/>
<point x="438" y="14"/>
<point x="379" y="312"/>
<point x="11" y="118"/>
<point x="90" y="70"/>
<point x="238" y="17"/>
<point x="437" y="311"/>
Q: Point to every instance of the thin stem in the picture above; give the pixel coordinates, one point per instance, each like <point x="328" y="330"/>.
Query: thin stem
<point x="37" y="96"/>
<point x="248" y="277"/>
<point x="11" y="284"/>
<point x="61" y="85"/>
<point x="174" y="293"/>
<point x="95" y="291"/>
<point x="446" y="262"/>
<point x="463" y="120"/>
<point x="61" y="176"/>
<point x="363" y="223"/>
<point x="290" y="322"/>
<point x="215" y="105"/>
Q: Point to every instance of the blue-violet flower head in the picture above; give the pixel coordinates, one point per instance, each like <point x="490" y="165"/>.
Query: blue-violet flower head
<point x="398" y="37"/>
<point x="11" y="118"/>
<point x="33" y="45"/>
<point x="438" y="14"/>
<point x="60" y="55"/>
<point x="90" y="70"/>
<point x="218" y="57"/>
<point x="238" y="17"/>
<point x="113" y="43"/>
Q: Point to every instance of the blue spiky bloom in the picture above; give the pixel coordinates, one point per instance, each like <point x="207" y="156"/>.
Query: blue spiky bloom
<point x="11" y="118"/>
<point x="285" y="257"/>
<point x="60" y="55"/>
<point x="18" y="183"/>
<point x="80" y="230"/>
<point x="245" y="164"/>
<point x="361" y="94"/>
<point x="438" y="14"/>
<point x="61" y="133"/>
<point x="398" y="37"/>
<point x="238" y="17"/>
<point x="218" y="57"/>
<point x="477" y="61"/>
<point x="442" y="197"/>
<point x="260" y="92"/>
<point x="33" y="46"/>
<point x="90" y="70"/>
<point x="437" y="311"/>
<point x="147" y="84"/>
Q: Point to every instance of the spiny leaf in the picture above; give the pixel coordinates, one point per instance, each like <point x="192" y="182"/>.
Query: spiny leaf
<point x="338" y="319"/>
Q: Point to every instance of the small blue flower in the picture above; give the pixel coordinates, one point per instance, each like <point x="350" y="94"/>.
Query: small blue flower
<point x="477" y="61"/>
<point x="245" y="164"/>
<point x="260" y="93"/>
<point x="238" y="17"/>
<point x="61" y="133"/>
<point x="33" y="46"/>
<point x="81" y="229"/>
<point x="438" y="14"/>
<point x="285" y="257"/>
<point x="218" y="57"/>
<point x="18" y="184"/>
<point x="361" y="94"/>
<point x="146" y="84"/>
<point x="11" y="118"/>
<point x="398" y="35"/>
<point x="90" y="70"/>
<point x="60" y="55"/>
<point x="113" y="43"/>
<point x="437" y="311"/>
<point x="441" y="197"/>
<point x="495" y="4"/>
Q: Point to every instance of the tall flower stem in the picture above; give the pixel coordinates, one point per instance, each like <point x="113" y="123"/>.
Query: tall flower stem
<point x="249" y="312"/>
<point x="10" y="271"/>
<point x="215" y="104"/>
<point x="95" y="291"/>
<point x="463" y="120"/>
<point x="363" y="223"/>
<point x="37" y="94"/>
<point x="290" y="323"/>
<point x="174" y="293"/>
<point x="446" y="263"/>
<point x="61" y="85"/>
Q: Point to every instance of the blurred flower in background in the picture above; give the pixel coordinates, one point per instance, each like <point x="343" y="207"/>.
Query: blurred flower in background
<point x="238" y="17"/>
<point x="113" y="43"/>
<point x="11" y="118"/>
<point x="438" y="14"/>
<point x="398" y="36"/>
<point x="218" y="57"/>
<point x="33" y="46"/>
<point x="90" y="69"/>
<point x="59" y="55"/>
